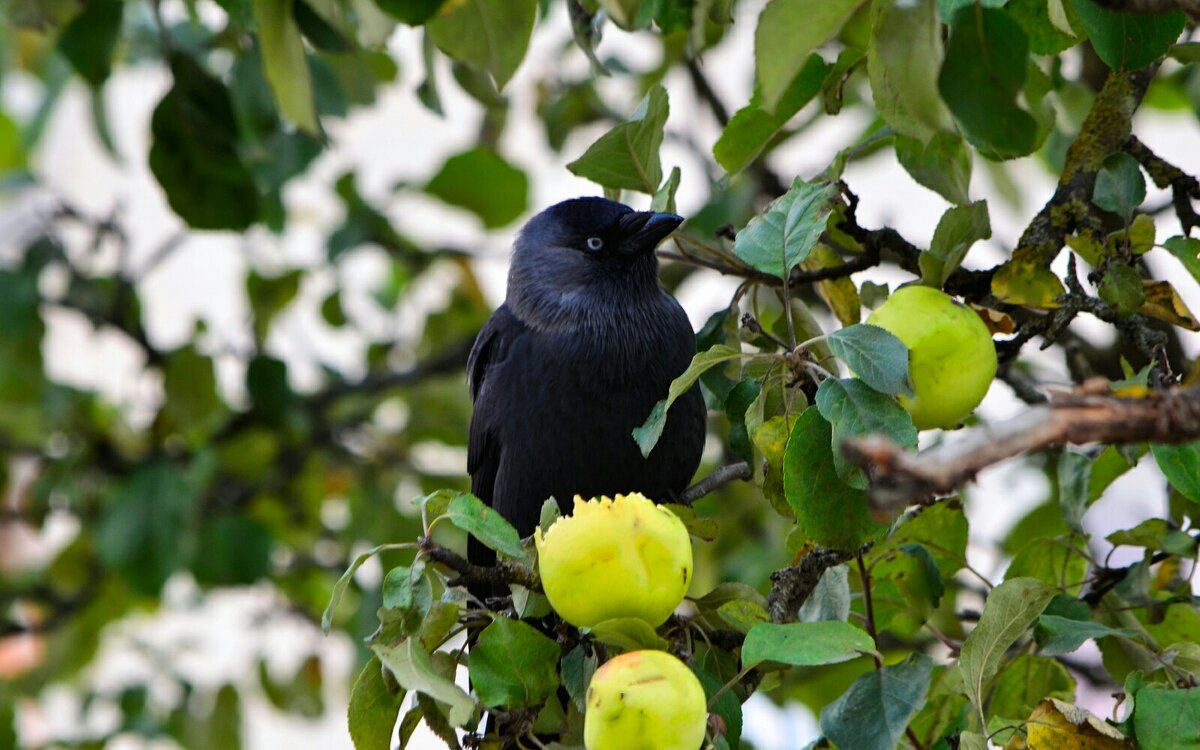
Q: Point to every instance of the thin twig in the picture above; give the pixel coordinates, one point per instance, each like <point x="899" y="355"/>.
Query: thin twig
<point x="719" y="478"/>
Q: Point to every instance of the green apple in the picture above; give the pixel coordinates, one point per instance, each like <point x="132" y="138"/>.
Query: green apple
<point x="644" y="700"/>
<point x="951" y="357"/>
<point x="623" y="557"/>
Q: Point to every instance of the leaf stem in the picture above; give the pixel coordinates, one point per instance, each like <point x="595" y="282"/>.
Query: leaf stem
<point x="865" y="578"/>
<point x="727" y="686"/>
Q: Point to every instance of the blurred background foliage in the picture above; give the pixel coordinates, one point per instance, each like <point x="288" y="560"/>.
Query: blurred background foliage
<point x="265" y="481"/>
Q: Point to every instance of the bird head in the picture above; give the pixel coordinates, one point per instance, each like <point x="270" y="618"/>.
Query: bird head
<point x="589" y="250"/>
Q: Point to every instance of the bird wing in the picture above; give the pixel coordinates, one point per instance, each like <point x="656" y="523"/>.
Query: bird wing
<point x="483" y="447"/>
<point x="484" y="444"/>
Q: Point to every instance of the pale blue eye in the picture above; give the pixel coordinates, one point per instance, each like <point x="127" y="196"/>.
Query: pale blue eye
<point x="594" y="244"/>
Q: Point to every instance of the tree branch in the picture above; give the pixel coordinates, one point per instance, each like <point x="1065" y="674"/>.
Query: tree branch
<point x="1105" y="130"/>
<point x="899" y="477"/>
<point x="705" y="92"/>
<point x="1184" y="187"/>
<point x="715" y="480"/>
<point x="502" y="573"/>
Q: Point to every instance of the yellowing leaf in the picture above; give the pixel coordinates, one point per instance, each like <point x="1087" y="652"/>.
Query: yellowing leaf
<point x="1164" y="303"/>
<point x="840" y="294"/>
<point x="1057" y="725"/>
<point x="1141" y="234"/>
<point x="1089" y="248"/>
<point x="1027" y="284"/>
<point x="996" y="321"/>
<point x="284" y="62"/>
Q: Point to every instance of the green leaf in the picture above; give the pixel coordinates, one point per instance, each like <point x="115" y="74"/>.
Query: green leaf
<point x="958" y="229"/>
<point x="833" y="90"/>
<point x="140" y="529"/>
<point x="939" y="528"/>
<point x="191" y="403"/>
<point x="1121" y="286"/>
<point x="727" y="706"/>
<point x="8" y="724"/>
<point x="729" y="592"/>
<point x="577" y="668"/>
<point x="440" y="620"/>
<point x="875" y="355"/>
<point x="269" y="296"/>
<point x="373" y="709"/>
<point x="1044" y="23"/>
<point x="627" y="634"/>
<point x="411" y="12"/>
<point x="1156" y="534"/>
<point x="324" y="24"/>
<point x="513" y="665"/>
<point x="972" y="741"/>
<point x="752" y="128"/>
<point x="1010" y="609"/>
<point x="414" y="670"/>
<point x="698" y="526"/>
<point x="890" y="697"/>
<point x="903" y="55"/>
<point x="490" y="36"/>
<point x="1180" y="464"/>
<point x="1051" y="561"/>
<point x="233" y="550"/>
<point x="1128" y="41"/>
<point x="651" y="430"/>
<point x="945" y="710"/>
<point x="1120" y="185"/>
<point x="783" y="235"/>
<point x="984" y="71"/>
<point x="1025" y="681"/>
<point x="1074" y="480"/>
<point x="468" y="513"/>
<point x="339" y="588"/>
<point x="437" y="721"/>
<point x="481" y="181"/>
<point x="830" y="512"/>
<point x="787" y="32"/>
<point x="1166" y="718"/>
<point x="739" y="408"/>
<point x="284" y="62"/>
<point x="1110" y="465"/>
<point x="853" y="408"/>
<point x="908" y="589"/>
<point x="664" y="198"/>
<point x="742" y="615"/>
<point x="626" y="157"/>
<point x="194" y="154"/>
<point x="409" y="595"/>
<point x="12" y="150"/>
<point x="1187" y="250"/>
<point x="770" y="438"/>
<point x="943" y="165"/>
<point x="805" y="644"/>
<point x="1058" y="635"/>
<point x="830" y="598"/>
<point x="89" y="40"/>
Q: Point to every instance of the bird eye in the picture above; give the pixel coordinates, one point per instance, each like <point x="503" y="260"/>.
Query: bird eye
<point x="594" y="244"/>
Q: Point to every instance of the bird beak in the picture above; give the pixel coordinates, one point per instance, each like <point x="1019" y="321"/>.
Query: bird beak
<point x="643" y="230"/>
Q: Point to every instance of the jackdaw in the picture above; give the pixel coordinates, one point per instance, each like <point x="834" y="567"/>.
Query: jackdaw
<point x="583" y="347"/>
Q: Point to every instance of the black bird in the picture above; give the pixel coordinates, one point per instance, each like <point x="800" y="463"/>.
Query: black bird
<point x="584" y="345"/>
